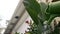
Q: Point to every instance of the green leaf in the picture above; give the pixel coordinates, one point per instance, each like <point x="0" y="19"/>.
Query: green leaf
<point x="33" y="8"/>
<point x="54" y="8"/>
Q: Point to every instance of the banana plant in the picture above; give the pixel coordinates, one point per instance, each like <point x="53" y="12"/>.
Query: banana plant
<point x="33" y="8"/>
<point x="40" y="14"/>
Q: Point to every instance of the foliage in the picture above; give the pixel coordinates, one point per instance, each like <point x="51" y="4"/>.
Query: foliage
<point x="41" y="12"/>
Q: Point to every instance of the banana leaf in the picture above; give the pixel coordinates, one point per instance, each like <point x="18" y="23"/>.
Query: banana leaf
<point x="33" y="8"/>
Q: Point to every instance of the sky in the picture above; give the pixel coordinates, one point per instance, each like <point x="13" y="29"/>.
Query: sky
<point x="7" y="8"/>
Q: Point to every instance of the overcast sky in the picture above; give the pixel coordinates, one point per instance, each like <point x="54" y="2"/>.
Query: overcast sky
<point x="7" y="8"/>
